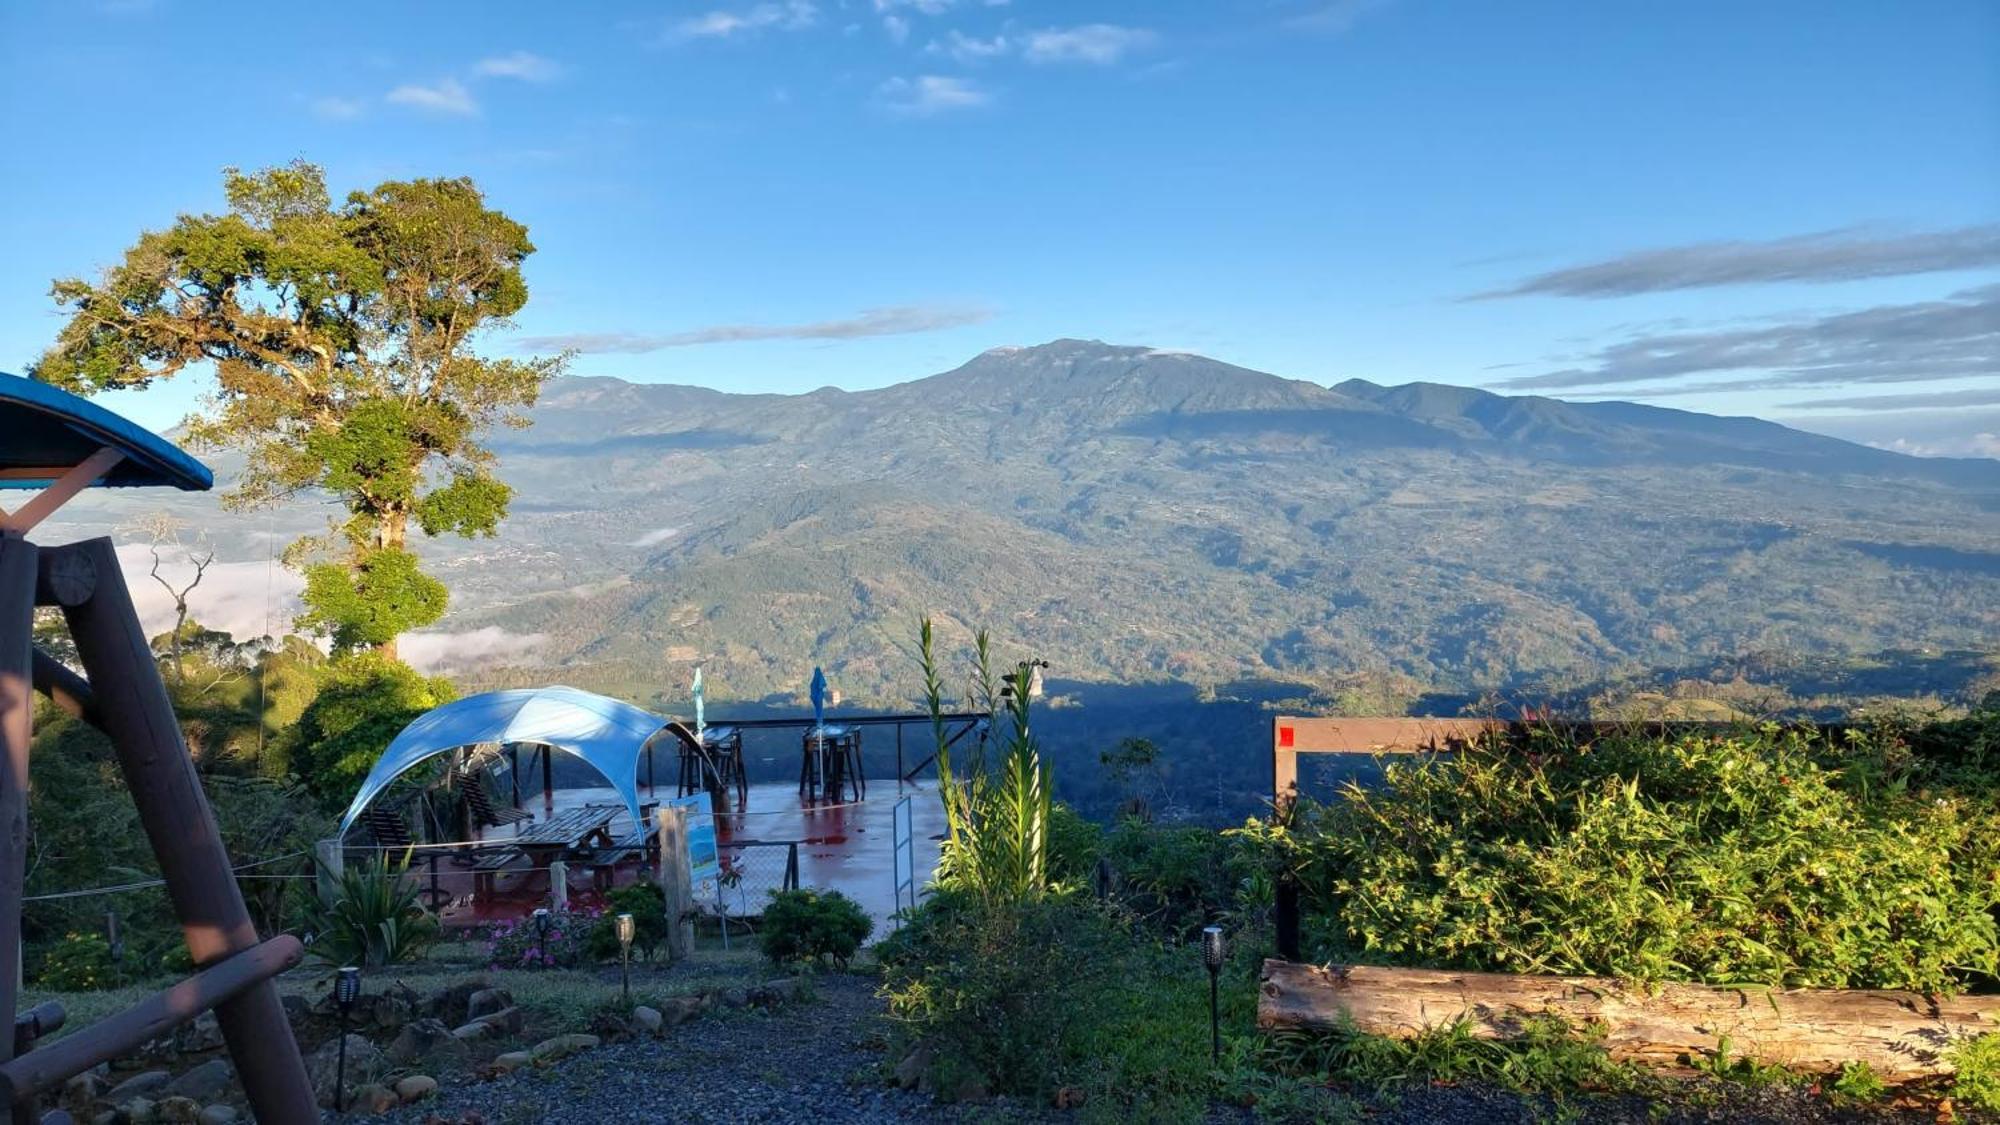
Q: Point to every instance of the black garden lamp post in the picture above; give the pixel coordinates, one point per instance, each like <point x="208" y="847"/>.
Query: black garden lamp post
<point x="1211" y="956"/>
<point x="541" y="937"/>
<point x="627" y="929"/>
<point x="346" y="990"/>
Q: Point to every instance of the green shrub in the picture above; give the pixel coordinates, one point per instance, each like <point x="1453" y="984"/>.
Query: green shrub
<point x="647" y="904"/>
<point x="376" y="918"/>
<point x="1976" y="1063"/>
<point x="1766" y="855"/>
<point x="1180" y="878"/>
<point x="811" y="925"/>
<point x="79" y="962"/>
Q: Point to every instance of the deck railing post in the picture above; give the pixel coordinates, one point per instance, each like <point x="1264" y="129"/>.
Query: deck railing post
<point x="792" y="866"/>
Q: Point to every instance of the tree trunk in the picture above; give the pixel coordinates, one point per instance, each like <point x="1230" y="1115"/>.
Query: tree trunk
<point x="1900" y="1035"/>
<point x="394" y="530"/>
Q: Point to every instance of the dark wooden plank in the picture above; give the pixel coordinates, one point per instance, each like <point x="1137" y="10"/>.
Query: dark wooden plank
<point x="18" y="565"/>
<point x="134" y="710"/>
<point x="48" y="1066"/>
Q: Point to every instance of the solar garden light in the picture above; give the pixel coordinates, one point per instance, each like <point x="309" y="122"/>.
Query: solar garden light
<point x="346" y="990"/>
<point x="541" y="937"/>
<point x="627" y="929"/>
<point x="1211" y="956"/>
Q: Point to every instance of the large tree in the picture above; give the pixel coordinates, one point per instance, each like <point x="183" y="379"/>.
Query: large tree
<point x="341" y="341"/>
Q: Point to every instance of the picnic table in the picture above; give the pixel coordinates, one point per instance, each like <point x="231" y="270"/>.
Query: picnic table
<point x="560" y="836"/>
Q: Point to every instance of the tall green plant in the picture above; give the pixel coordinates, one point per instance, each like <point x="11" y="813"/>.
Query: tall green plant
<point x="997" y="842"/>
<point x="376" y="918"/>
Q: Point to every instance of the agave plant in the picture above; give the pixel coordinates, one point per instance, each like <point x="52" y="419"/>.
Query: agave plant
<point x="997" y="820"/>
<point x="377" y="917"/>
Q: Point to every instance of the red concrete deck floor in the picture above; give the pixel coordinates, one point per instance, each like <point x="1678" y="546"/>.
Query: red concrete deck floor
<point x="844" y="847"/>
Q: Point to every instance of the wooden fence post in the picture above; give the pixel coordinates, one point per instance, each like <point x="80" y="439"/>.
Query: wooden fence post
<point x="677" y="882"/>
<point x="17" y="706"/>
<point x="332" y="864"/>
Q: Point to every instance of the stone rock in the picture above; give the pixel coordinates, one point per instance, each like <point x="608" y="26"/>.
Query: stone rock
<point x="562" y="1046"/>
<point x="178" y="1111"/>
<point x="218" y="1115"/>
<point x="913" y="1069"/>
<point x="137" y="1111"/>
<point x="389" y="1011"/>
<point x="474" y="1031"/>
<point x="373" y="1100"/>
<point x="680" y="1009"/>
<point x="773" y="993"/>
<point x="298" y="1009"/>
<point x="108" y="1117"/>
<point x="416" y="1088"/>
<point x="450" y="1003"/>
<point x="364" y="1065"/>
<point x="424" y="1039"/>
<point x="204" y="1083"/>
<point x="200" y="1034"/>
<point x="139" y="1085"/>
<point x="81" y="1091"/>
<point x="1069" y="1097"/>
<point x="735" y="998"/>
<point x="512" y="1061"/>
<point x="647" y="1020"/>
<point x="487" y="1001"/>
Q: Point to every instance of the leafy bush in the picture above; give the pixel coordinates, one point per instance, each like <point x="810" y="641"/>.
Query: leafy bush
<point x="647" y="904"/>
<point x="568" y="941"/>
<point x="1977" y="1065"/>
<point x="810" y="925"/>
<point x="79" y="962"/>
<point x="376" y="918"/>
<point x="1181" y="878"/>
<point x="1766" y="855"/>
<point x="365" y="700"/>
<point x="1024" y="998"/>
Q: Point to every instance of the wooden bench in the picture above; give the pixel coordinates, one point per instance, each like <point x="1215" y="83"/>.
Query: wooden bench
<point x="605" y="860"/>
<point x="485" y="814"/>
<point x="488" y="864"/>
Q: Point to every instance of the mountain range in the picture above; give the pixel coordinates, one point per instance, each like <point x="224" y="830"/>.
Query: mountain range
<point x="1145" y="516"/>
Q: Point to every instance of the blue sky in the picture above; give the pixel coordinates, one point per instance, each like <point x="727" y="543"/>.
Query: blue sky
<point x="1797" y="200"/>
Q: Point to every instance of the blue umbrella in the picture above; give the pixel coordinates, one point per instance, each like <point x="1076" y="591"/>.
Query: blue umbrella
<point x="699" y="725"/>
<point x="819" y="697"/>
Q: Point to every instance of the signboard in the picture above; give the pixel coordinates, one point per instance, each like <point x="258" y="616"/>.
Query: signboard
<point x="704" y="857"/>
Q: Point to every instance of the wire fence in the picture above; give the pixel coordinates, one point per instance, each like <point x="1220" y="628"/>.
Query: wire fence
<point x="752" y="870"/>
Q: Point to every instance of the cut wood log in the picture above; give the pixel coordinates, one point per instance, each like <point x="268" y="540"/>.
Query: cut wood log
<point x="1900" y="1035"/>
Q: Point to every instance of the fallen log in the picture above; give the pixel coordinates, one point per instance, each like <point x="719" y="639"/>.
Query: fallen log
<point x="1900" y="1035"/>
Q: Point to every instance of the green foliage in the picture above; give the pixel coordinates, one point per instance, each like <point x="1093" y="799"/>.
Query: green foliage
<point x="377" y="918"/>
<point x="342" y="344"/>
<point x="1180" y="878"/>
<point x="365" y="700"/>
<point x="1976" y="1071"/>
<point x="1758" y="856"/>
<point x="79" y="962"/>
<point x="1857" y="1081"/>
<point x="998" y="820"/>
<point x="647" y="904"/>
<point x="1548" y="1057"/>
<point x="371" y="602"/>
<point x="812" y="925"/>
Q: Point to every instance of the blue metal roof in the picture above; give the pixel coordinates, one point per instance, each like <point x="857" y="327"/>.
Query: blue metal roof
<point x="49" y="430"/>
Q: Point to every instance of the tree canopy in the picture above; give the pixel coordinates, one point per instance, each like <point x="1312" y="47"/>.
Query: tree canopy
<point x="341" y="340"/>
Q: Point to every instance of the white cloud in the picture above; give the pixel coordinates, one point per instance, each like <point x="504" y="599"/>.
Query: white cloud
<point x="790" y="15"/>
<point x="1335" y="18"/>
<point x="244" y="599"/>
<point x="966" y="49"/>
<point x="655" y="537"/>
<point x="1098" y="43"/>
<point x="337" y="109"/>
<point x="455" y="652"/>
<point x="447" y="96"/>
<point x="929" y="94"/>
<point x="897" y="27"/>
<point x="1974" y="445"/>
<point x="523" y="65"/>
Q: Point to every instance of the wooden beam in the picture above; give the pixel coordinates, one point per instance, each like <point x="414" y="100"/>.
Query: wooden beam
<point x="47" y="1067"/>
<point x="17" y="706"/>
<point x="1900" y="1035"/>
<point x="60" y="490"/>
<point x="65" y="688"/>
<point x="135" y="712"/>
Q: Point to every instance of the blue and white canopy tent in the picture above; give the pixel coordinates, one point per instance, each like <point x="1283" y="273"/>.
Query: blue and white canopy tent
<point x="609" y="735"/>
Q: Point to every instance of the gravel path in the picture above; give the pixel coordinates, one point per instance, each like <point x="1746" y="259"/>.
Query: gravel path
<point x="807" y="1062"/>
<point x="816" y="1062"/>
